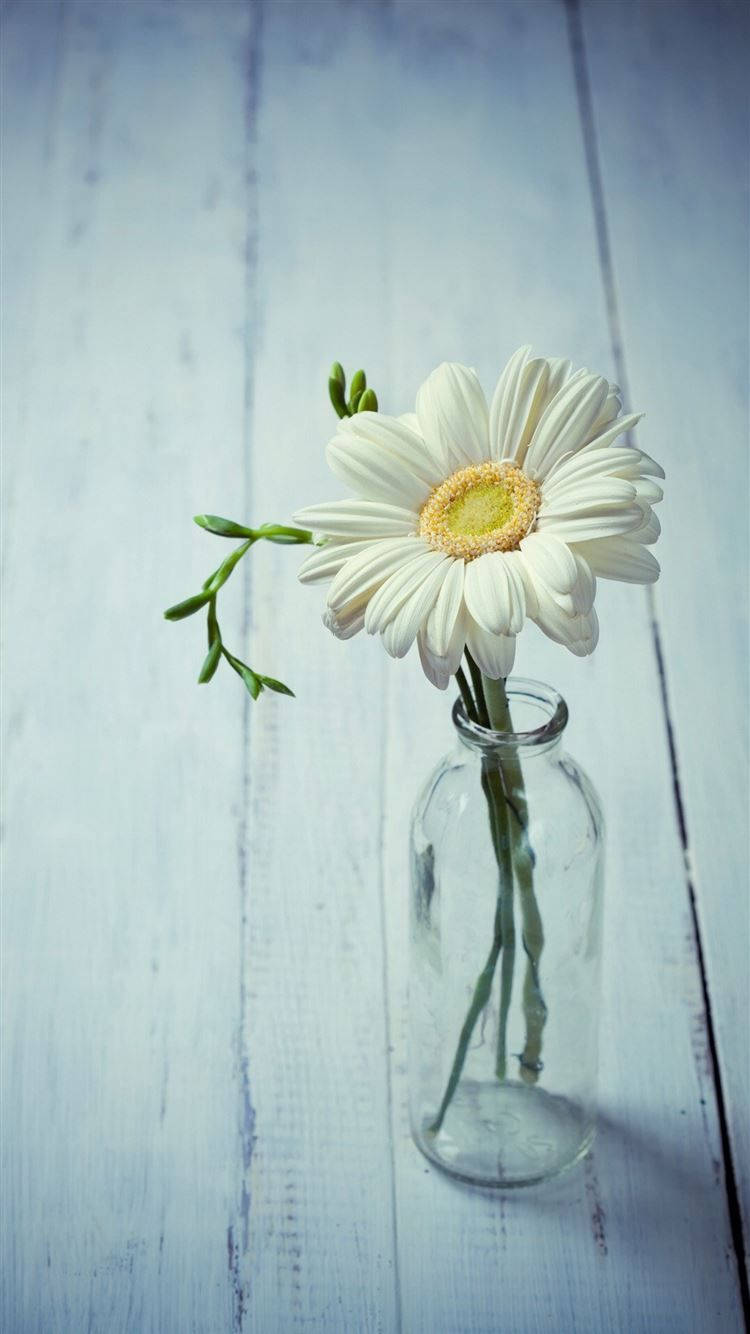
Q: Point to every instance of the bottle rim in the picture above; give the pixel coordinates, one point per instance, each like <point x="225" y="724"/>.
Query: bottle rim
<point x="524" y="689"/>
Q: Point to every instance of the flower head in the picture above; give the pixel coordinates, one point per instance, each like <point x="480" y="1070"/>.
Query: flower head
<point x="466" y="520"/>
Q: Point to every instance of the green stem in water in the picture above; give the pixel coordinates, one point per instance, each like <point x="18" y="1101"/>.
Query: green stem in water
<point x="480" y="998"/>
<point x="507" y="964"/>
<point x="476" y="680"/>
<point x="492" y="782"/>
<point x="532" y="931"/>
<point x="466" y="695"/>
<point x="500" y="831"/>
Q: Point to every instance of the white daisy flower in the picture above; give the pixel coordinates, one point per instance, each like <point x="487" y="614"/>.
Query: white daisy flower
<point x="466" y="520"/>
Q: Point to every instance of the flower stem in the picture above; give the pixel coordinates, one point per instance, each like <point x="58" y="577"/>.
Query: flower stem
<point x="480" y="998"/>
<point x="532" y="931"/>
<point x="466" y="695"/>
<point x="476" y="680"/>
<point x="507" y="965"/>
<point x="501" y="841"/>
<point x="495" y="795"/>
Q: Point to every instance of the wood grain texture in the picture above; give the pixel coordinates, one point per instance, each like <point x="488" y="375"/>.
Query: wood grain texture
<point x="320" y="1248"/>
<point x="659" y="1141"/>
<point x="204" y="900"/>
<point x="123" y="801"/>
<point x="671" y="114"/>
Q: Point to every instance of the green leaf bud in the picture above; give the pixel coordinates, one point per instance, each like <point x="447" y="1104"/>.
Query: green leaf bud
<point x="277" y="532"/>
<point x="252" y="680"/>
<point x="278" y="686"/>
<point x="222" y="527"/>
<point x="368" y="401"/>
<point x="187" y="608"/>
<point x="356" y="389"/>
<point x="211" y="662"/>
<point x="337" y="395"/>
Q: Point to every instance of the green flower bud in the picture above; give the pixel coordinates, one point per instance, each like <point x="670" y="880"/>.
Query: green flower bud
<point x="222" y="527"/>
<point x="337" y="373"/>
<point x="358" y="384"/>
<point x="187" y="608"/>
<point x="368" y="401"/>
<point x="211" y="663"/>
<point x="278" y="686"/>
<point x="338" y="396"/>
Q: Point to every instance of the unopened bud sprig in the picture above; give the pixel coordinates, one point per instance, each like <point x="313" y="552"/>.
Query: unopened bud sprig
<point x="361" y="399"/>
<point x="271" y="532"/>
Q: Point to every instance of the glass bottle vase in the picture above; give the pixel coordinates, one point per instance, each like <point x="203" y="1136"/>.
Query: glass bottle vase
<point x="505" y="946"/>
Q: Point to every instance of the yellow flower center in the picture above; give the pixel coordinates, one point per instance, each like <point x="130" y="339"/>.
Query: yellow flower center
<point x="487" y="507"/>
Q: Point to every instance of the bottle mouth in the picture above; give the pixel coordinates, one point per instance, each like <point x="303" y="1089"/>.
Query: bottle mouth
<point x="539" y="715"/>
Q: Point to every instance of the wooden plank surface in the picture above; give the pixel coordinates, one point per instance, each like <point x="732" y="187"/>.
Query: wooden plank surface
<point x="609" y="1223"/>
<point x="204" y="901"/>
<point x="123" y="793"/>
<point x="674" y="163"/>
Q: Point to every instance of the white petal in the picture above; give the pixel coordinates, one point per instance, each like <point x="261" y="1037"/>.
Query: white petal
<point x="580" y="599"/>
<point x="359" y="518"/>
<point x="601" y="523"/>
<point x="649" y="490"/>
<point x="504" y="396"/>
<point x="578" y="633"/>
<point x="584" y="646"/>
<point x="400" y="633"/>
<point x="447" y="608"/>
<point x="612" y="405"/>
<point x="611" y="432"/>
<point x="576" y="498"/>
<point x="620" y="558"/>
<point x="375" y="474"/>
<point x="585" y="587"/>
<point x="517" y="405"/>
<point x="566" y="422"/>
<point x="397" y="438"/>
<point x="591" y="463"/>
<point x="493" y="654"/>
<point x="494" y="593"/>
<point x="452" y="414"/>
<point x="549" y="559"/>
<point x="434" y="668"/>
<point x="369" y="568"/>
<point x="512" y="564"/>
<point x="327" y="560"/>
<point x="550" y="618"/>
<point x="411" y="420"/>
<point x="650" y="467"/>
<point x="347" y="622"/>
<point x="439" y="668"/>
<point x="650" y="527"/>
<point x="559" y="374"/>
<point x="391" y="596"/>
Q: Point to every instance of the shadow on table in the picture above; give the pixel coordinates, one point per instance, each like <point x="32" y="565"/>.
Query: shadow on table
<point x="636" y="1185"/>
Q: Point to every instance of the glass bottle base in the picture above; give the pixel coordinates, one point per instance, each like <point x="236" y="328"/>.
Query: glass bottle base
<point x="508" y="1134"/>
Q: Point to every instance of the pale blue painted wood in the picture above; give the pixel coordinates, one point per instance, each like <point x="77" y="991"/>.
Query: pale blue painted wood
<point x="671" y="111"/>
<point x="203" y="1080"/>
<point x="125" y="189"/>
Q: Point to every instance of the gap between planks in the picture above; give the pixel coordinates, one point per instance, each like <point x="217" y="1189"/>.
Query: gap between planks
<point x="591" y="153"/>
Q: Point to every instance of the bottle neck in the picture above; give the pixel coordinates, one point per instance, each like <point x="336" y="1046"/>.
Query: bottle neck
<point x="530" y="724"/>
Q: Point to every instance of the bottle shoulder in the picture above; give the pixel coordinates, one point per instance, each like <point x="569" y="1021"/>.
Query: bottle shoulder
<point x="556" y="786"/>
